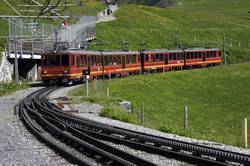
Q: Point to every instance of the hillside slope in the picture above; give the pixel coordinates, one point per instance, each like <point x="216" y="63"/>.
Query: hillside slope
<point x="193" y="24"/>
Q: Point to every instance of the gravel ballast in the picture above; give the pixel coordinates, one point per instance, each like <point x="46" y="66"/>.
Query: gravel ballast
<point x="17" y="145"/>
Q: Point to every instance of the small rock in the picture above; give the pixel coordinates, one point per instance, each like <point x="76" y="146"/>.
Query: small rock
<point x="126" y="105"/>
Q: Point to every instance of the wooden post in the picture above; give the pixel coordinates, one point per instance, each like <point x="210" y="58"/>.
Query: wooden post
<point x="244" y="132"/>
<point x="94" y="82"/>
<point x="142" y="114"/>
<point x="109" y="77"/>
<point x="87" y="87"/>
<point x="107" y="91"/>
<point x="186" y="118"/>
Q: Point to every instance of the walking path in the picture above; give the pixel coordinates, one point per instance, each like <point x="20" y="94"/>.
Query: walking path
<point x="101" y="17"/>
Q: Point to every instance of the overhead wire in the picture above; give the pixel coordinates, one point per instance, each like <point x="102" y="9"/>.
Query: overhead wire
<point x="12" y="7"/>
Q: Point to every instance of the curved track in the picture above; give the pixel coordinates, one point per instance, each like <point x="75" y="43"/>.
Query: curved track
<point x="75" y="137"/>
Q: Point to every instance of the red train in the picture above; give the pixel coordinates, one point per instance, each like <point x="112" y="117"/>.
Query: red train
<point x="69" y="66"/>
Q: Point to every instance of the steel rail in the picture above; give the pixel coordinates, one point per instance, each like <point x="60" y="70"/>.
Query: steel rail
<point x="39" y="133"/>
<point x="91" y="140"/>
<point x="40" y="124"/>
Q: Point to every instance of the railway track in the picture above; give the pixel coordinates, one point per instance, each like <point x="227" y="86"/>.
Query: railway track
<point x="82" y="137"/>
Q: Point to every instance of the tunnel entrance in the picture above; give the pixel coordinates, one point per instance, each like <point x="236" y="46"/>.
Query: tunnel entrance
<point x="28" y="69"/>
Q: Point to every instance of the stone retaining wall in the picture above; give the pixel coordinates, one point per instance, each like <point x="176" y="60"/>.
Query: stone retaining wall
<point x="6" y="70"/>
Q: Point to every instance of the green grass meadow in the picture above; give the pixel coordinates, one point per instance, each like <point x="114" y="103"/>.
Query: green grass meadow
<point x="194" y="24"/>
<point x="217" y="99"/>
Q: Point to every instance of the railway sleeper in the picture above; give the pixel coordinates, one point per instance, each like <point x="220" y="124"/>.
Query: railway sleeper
<point x="220" y="159"/>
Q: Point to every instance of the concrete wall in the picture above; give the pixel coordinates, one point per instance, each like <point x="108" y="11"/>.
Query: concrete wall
<point x="6" y="70"/>
<point x="27" y="69"/>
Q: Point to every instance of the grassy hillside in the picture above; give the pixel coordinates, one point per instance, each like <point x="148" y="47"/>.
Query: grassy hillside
<point x="195" y="23"/>
<point x="4" y="10"/>
<point x="217" y="99"/>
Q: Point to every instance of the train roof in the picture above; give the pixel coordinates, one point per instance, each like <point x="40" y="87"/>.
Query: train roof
<point x="156" y="50"/>
<point x="201" y="49"/>
<point x="99" y="52"/>
<point x="85" y="52"/>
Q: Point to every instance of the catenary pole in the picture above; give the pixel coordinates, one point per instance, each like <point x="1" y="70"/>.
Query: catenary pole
<point x="224" y="49"/>
<point x="15" y="51"/>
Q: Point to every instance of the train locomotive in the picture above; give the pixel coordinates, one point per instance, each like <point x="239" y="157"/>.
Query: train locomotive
<point x="69" y="66"/>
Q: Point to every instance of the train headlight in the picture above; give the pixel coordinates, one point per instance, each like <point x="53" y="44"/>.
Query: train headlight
<point x="65" y="71"/>
<point x="45" y="72"/>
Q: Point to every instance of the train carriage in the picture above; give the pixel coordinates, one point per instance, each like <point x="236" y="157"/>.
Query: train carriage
<point x="176" y="59"/>
<point x="68" y="66"/>
<point x="155" y="60"/>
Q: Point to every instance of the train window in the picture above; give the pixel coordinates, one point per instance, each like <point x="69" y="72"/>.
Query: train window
<point x="146" y="57"/>
<point x="139" y="57"/>
<point x="88" y="60"/>
<point x="106" y="60"/>
<point x="73" y="60"/>
<point x="191" y="55"/>
<point x="157" y="57"/>
<point x="110" y="60"/>
<point x="207" y="54"/>
<point x="65" y="60"/>
<point x="78" y="60"/>
<point x="219" y="53"/>
<point x="127" y="59"/>
<point x="174" y="56"/>
<point x="161" y="57"/>
<point x="170" y="56"/>
<point x="82" y="60"/>
<point x="194" y="55"/>
<point x="92" y="60"/>
<point x="181" y="56"/>
<point x="199" y="55"/>
<point x="118" y="59"/>
<point x="153" y="58"/>
<point x="52" y="60"/>
<point x="133" y="59"/>
<point x="98" y="60"/>
<point x="178" y="56"/>
<point x="210" y="54"/>
<point x="115" y="59"/>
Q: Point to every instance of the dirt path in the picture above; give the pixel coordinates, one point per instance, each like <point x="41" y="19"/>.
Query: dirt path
<point x="101" y="17"/>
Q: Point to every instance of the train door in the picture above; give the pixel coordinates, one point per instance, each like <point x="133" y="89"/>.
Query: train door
<point x="185" y="58"/>
<point x="142" y="60"/>
<point x="203" y="55"/>
<point x="166" y="58"/>
<point x="123" y="61"/>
